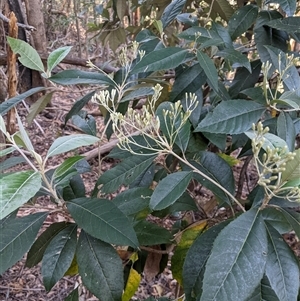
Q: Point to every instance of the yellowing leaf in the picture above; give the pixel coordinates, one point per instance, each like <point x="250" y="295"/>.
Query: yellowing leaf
<point x="134" y="257"/>
<point x="187" y="238"/>
<point x="73" y="269"/>
<point x="229" y="159"/>
<point x="131" y="285"/>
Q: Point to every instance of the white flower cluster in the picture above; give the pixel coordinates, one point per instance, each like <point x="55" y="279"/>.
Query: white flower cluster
<point x="271" y="166"/>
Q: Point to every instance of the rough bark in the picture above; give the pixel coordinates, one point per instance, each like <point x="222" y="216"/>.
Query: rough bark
<point x="12" y="74"/>
<point x="24" y="73"/>
<point x="37" y="38"/>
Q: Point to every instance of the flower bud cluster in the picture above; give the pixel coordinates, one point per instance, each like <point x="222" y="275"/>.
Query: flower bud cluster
<point x="271" y="166"/>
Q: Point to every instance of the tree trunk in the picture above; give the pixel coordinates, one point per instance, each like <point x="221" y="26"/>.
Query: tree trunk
<point x="36" y="19"/>
<point x="24" y="73"/>
<point x="38" y="38"/>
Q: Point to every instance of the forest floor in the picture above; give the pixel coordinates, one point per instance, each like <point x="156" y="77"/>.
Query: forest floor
<point x="21" y="283"/>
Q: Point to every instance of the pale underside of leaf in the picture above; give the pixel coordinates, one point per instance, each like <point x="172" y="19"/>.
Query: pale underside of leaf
<point x="17" y="189"/>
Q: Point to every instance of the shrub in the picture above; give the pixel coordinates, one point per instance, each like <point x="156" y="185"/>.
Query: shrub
<point x="176" y="130"/>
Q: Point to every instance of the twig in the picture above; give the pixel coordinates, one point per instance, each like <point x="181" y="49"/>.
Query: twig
<point x="22" y="288"/>
<point x="34" y="120"/>
<point x="148" y="249"/>
<point x="107" y="68"/>
<point x="27" y="27"/>
<point x="105" y="148"/>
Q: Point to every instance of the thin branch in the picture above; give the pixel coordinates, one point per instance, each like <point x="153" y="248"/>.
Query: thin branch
<point x="22" y="288"/>
<point x="27" y="27"/>
<point x="148" y="249"/>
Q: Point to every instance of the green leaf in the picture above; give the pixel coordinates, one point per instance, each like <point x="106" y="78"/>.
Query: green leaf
<point x="28" y="55"/>
<point x="282" y="267"/>
<point x="6" y="151"/>
<point x="272" y="141"/>
<point x="10" y="103"/>
<point x="67" y="143"/>
<point x="86" y="123"/>
<point x="17" y="236"/>
<point x="59" y="255"/>
<point x="186" y="240"/>
<point x="169" y="189"/>
<point x="264" y="292"/>
<point x="209" y="68"/>
<point x="196" y="258"/>
<point x="151" y="234"/>
<point x="222" y="7"/>
<point x="172" y="127"/>
<point x="135" y="147"/>
<point x="254" y="93"/>
<point x="222" y="34"/>
<point x="37" y="250"/>
<point x="121" y="7"/>
<point x="73" y="296"/>
<point x="187" y="18"/>
<point x="9" y="217"/>
<point x="288" y="6"/>
<point x="38" y="107"/>
<point x="231" y="117"/>
<point x="16" y="189"/>
<point x="286" y="130"/>
<point x="280" y="62"/>
<point x="115" y="38"/>
<point x="244" y="79"/>
<point x="236" y="58"/>
<point x="289" y="24"/>
<point x="277" y="220"/>
<point x="188" y="80"/>
<point x="56" y="56"/>
<point x="134" y="200"/>
<point x="293" y="218"/>
<point x="291" y="98"/>
<point x="78" y="105"/>
<point x="219" y="140"/>
<point x="292" y="170"/>
<point x="137" y="91"/>
<point x="267" y="36"/>
<point x="162" y="59"/>
<point x="66" y="166"/>
<point x="241" y="20"/>
<point x="100" y="268"/>
<point x="103" y="214"/>
<point x="24" y="136"/>
<point x="10" y="162"/>
<point x="217" y="169"/>
<point x="199" y="34"/>
<point x="76" y="77"/>
<point x="172" y="11"/>
<point x="145" y="179"/>
<point x="124" y="173"/>
<point x="184" y="203"/>
<point x="75" y="189"/>
<point x="241" y="252"/>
